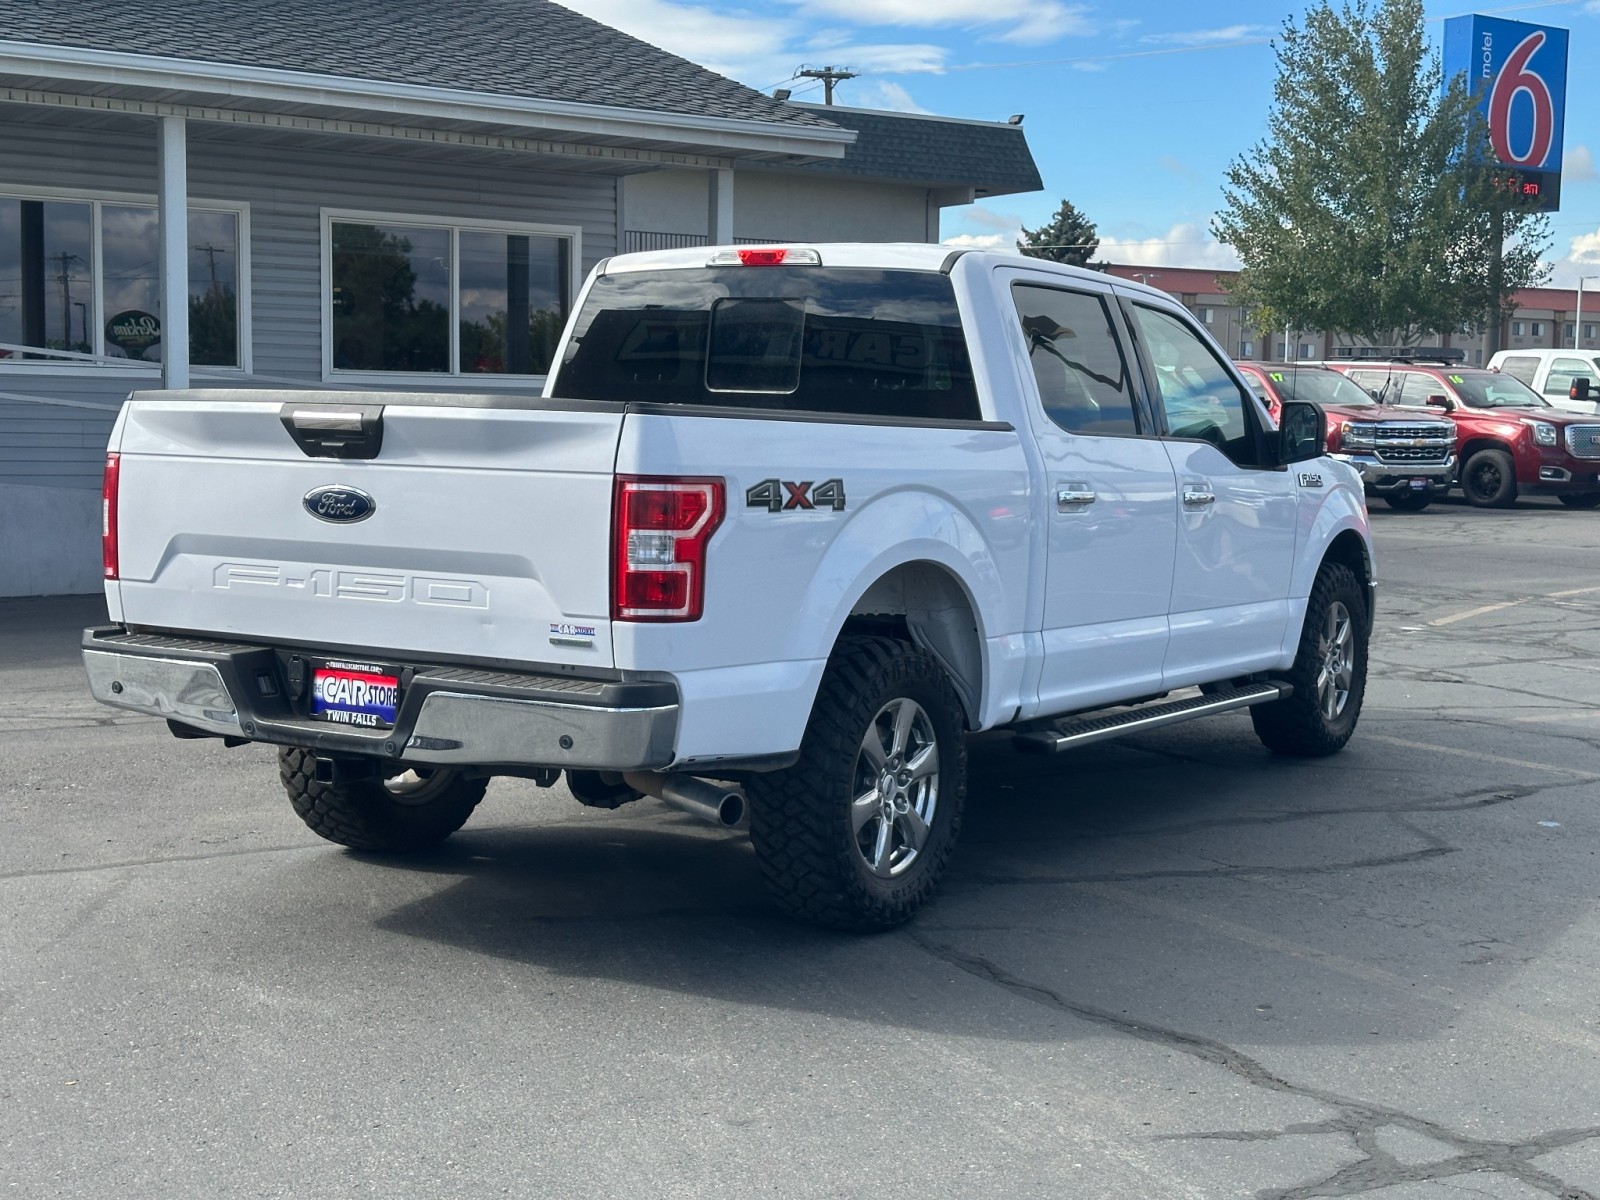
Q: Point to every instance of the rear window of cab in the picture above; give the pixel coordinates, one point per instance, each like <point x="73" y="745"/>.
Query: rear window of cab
<point x="810" y="339"/>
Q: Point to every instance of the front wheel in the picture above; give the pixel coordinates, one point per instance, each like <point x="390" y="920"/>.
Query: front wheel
<point x="1489" y="479"/>
<point x="1585" y="500"/>
<point x="1329" y="672"/>
<point x="857" y="833"/>
<point x="1409" y="501"/>
<point x="411" y="810"/>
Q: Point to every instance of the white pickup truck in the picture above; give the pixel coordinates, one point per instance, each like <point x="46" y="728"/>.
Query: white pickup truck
<point x="785" y="525"/>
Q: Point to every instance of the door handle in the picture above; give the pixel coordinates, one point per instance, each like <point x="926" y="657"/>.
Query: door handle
<point x="1198" y="495"/>
<point x="1073" y="497"/>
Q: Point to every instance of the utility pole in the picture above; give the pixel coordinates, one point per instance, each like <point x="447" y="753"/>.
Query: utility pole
<point x="211" y="253"/>
<point x="829" y="77"/>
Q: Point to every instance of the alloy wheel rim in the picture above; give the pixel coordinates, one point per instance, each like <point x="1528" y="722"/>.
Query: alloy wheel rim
<point x="1336" y="661"/>
<point x="896" y="788"/>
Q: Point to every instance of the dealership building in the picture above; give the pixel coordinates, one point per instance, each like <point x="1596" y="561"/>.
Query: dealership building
<point x="376" y="194"/>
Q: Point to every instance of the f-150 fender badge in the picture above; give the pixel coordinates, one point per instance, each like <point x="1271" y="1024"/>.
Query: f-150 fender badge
<point x="777" y="495"/>
<point x="1309" y="479"/>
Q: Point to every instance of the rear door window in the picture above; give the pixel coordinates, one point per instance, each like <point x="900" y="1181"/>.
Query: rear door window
<point x="1077" y="360"/>
<point x="1522" y="367"/>
<point x="826" y="340"/>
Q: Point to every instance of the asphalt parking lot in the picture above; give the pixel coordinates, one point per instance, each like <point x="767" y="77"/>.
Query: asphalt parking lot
<point x="1173" y="966"/>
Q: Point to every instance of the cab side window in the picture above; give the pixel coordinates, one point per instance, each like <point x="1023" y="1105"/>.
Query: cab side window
<point x="1197" y="394"/>
<point x="1077" y="360"/>
<point x="1563" y="371"/>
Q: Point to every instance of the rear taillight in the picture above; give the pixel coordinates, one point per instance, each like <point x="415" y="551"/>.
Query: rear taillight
<point x="659" y="531"/>
<point x="108" y="515"/>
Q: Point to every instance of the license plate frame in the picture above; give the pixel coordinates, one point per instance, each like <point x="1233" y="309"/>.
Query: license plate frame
<point x="358" y="695"/>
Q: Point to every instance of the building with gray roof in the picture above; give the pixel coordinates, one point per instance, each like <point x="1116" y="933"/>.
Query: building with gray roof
<point x="379" y="193"/>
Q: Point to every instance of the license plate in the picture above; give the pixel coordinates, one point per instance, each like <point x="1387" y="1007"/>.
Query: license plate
<point x="1419" y="485"/>
<point x="351" y="693"/>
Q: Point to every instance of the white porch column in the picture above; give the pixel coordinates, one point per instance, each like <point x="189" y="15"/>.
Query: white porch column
<point x="172" y="207"/>
<point x="719" y="197"/>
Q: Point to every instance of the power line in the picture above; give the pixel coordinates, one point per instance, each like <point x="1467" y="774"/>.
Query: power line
<point x="829" y="76"/>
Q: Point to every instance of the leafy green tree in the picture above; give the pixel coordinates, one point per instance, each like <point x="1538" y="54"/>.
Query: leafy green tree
<point x="1069" y="238"/>
<point x="1367" y="209"/>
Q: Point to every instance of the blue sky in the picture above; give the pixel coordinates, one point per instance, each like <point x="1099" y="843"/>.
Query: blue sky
<point x="1133" y="111"/>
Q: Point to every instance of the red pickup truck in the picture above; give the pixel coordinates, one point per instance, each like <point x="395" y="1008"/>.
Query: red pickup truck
<point x="1401" y="455"/>
<point x="1511" y="440"/>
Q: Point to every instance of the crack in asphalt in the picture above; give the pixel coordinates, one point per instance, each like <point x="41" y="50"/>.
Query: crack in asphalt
<point x="1221" y="871"/>
<point x="1360" y="1120"/>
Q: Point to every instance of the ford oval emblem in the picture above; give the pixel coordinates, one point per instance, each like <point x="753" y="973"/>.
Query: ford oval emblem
<point x="341" y="505"/>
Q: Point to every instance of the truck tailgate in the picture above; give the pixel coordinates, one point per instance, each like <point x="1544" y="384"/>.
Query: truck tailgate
<point x="488" y="535"/>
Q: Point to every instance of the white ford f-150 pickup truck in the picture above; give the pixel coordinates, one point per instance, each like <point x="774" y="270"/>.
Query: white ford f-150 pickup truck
<point x="785" y="525"/>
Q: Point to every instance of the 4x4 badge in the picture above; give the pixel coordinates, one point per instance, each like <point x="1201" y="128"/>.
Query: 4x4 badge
<point x="777" y="495"/>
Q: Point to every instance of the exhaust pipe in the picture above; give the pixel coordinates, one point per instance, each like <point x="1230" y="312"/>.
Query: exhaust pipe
<point x="719" y="805"/>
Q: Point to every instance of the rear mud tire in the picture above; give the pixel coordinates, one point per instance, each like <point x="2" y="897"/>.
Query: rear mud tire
<point x="1489" y="480"/>
<point x="411" y="811"/>
<point x="857" y="833"/>
<point x="1329" y="672"/>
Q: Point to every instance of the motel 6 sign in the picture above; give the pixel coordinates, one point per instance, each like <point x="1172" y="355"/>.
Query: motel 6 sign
<point x="1519" y="74"/>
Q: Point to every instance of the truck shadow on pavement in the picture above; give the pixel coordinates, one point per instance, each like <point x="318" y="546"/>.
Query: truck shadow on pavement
<point x="1190" y="878"/>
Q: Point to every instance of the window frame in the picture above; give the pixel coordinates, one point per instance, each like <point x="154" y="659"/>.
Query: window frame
<point x="97" y="199"/>
<point x="454" y="226"/>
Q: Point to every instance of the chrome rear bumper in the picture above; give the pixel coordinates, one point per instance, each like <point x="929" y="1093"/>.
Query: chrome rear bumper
<point x="446" y="715"/>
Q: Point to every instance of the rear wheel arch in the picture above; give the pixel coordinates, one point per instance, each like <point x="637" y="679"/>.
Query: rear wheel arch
<point x="927" y="605"/>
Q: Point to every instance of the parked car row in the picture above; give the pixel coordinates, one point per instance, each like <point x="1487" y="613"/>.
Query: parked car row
<point x="1508" y="440"/>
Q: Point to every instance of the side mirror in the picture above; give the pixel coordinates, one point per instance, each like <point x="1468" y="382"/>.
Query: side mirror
<point x="1580" y="388"/>
<point x="1302" y="432"/>
<point x="1440" y="402"/>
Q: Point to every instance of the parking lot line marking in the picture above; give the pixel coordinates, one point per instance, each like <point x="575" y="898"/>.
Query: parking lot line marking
<point x="1479" y="754"/>
<point x="1478" y="612"/>
<point x="1489" y="608"/>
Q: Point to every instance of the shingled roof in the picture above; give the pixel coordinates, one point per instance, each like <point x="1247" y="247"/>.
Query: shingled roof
<point x="989" y="155"/>
<point x="522" y="48"/>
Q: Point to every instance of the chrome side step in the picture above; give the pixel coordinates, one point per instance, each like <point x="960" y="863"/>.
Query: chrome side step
<point x="1072" y="732"/>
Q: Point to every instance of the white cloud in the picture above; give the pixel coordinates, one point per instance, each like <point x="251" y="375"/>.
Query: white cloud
<point x="1209" y="37"/>
<point x="1019" y="20"/>
<point x="1577" y="165"/>
<point x="880" y="93"/>
<point x="1582" y="261"/>
<point x="1183" y="245"/>
<point x="988" y="218"/>
<point x="1586" y="248"/>
<point x="753" y="49"/>
<point x="891" y="59"/>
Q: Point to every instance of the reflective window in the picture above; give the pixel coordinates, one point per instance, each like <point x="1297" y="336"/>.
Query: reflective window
<point x="1077" y="360"/>
<point x="1522" y="366"/>
<point x="808" y="339"/>
<point x="1564" y="370"/>
<point x="391" y="297"/>
<point x="1198" y="395"/>
<point x="396" y="285"/>
<point x="514" y="290"/>
<point x="51" y="285"/>
<point x="46" y="276"/>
